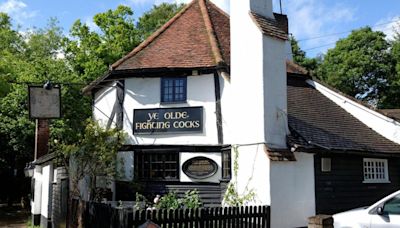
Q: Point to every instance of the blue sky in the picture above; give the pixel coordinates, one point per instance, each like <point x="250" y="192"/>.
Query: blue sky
<point x="307" y="18"/>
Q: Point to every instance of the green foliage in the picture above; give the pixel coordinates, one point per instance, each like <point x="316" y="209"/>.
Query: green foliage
<point x="141" y="202"/>
<point x="10" y="46"/>
<point x="391" y="95"/>
<point x="232" y="196"/>
<point x="29" y="223"/>
<point x="149" y="22"/>
<point x="359" y="65"/>
<point x="38" y="55"/>
<point x="169" y="201"/>
<point x="95" y="154"/>
<point x="191" y="199"/>
<point x="33" y="58"/>
<point x="91" y="52"/>
<point x="299" y="57"/>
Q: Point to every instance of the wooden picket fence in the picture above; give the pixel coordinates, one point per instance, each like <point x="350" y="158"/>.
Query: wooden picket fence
<point x="103" y="215"/>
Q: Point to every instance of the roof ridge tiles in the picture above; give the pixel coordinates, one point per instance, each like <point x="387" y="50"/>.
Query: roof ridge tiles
<point x="211" y="33"/>
<point x="152" y="37"/>
<point x="218" y="9"/>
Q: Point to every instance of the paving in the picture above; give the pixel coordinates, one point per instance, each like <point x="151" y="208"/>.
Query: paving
<point x="14" y="216"/>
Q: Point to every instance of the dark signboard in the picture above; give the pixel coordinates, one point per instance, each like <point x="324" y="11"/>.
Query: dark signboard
<point x="200" y="167"/>
<point x="44" y="103"/>
<point x="168" y="120"/>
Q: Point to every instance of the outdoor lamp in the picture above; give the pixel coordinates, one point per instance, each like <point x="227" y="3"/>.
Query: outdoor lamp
<point x="28" y="170"/>
<point x="48" y="85"/>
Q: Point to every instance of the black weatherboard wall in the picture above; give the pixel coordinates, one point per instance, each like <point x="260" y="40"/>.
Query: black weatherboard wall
<point x="342" y="188"/>
<point x="211" y="193"/>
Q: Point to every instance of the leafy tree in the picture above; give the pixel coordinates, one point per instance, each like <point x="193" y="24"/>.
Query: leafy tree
<point x="149" y="22"/>
<point x="91" y="52"/>
<point x="391" y="97"/>
<point x="36" y="62"/>
<point x="46" y="54"/>
<point x="359" y="65"/>
<point x="119" y="34"/>
<point x="92" y="156"/>
<point x="10" y="46"/>
<point x="299" y="57"/>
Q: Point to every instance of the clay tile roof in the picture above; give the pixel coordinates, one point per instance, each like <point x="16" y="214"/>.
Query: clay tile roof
<point x="292" y="67"/>
<point x="196" y="37"/>
<point x="269" y="26"/>
<point x="321" y="123"/>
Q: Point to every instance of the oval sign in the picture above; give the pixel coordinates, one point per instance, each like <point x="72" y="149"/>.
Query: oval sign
<point x="200" y="167"/>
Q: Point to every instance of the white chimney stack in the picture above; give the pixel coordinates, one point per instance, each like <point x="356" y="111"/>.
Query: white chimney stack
<point x="262" y="7"/>
<point x="258" y="75"/>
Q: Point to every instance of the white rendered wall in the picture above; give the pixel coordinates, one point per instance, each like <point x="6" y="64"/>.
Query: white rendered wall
<point x="292" y="191"/>
<point x="228" y="126"/>
<point x="36" y="204"/>
<point x="288" y="48"/>
<point x="275" y="89"/>
<point x="255" y="109"/>
<point x="242" y="106"/>
<point x="144" y="93"/>
<point x="104" y="101"/>
<point x="253" y="173"/>
<point x="216" y="157"/>
<point x="262" y="7"/>
<point x="383" y="125"/>
<point x="47" y="178"/>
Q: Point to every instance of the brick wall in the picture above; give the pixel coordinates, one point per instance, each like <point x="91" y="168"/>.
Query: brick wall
<point x="42" y="138"/>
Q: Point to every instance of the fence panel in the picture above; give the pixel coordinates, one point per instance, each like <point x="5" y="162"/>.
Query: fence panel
<point x="104" y="215"/>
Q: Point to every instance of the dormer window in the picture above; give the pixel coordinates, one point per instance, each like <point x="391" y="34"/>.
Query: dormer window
<point x="173" y="90"/>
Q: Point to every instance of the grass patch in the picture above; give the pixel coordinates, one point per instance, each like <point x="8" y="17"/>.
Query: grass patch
<point x="29" y="223"/>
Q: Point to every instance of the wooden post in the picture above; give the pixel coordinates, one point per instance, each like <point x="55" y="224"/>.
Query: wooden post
<point x="320" y="221"/>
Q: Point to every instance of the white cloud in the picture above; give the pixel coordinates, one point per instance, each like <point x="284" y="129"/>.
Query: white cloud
<point x="17" y="10"/>
<point x="90" y="23"/>
<point x="313" y="18"/>
<point x="388" y="25"/>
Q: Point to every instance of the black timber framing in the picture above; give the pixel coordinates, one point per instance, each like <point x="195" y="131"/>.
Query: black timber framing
<point x="218" y="112"/>
<point x="342" y="188"/>
<point x="182" y="148"/>
<point x="120" y="104"/>
<point x="118" y="108"/>
<point x="115" y="75"/>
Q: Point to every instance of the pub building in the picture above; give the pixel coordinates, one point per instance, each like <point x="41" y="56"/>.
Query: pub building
<point x="207" y="82"/>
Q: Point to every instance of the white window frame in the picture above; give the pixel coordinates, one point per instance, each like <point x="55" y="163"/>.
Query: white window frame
<point x="373" y="172"/>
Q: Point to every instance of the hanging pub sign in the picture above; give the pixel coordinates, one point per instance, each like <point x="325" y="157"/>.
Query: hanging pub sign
<point x="168" y="120"/>
<point x="200" y="167"/>
<point x="44" y="103"/>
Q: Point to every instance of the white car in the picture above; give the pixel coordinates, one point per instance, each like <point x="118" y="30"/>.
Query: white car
<point x="385" y="213"/>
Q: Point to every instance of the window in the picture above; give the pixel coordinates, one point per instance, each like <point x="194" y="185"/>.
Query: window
<point x="226" y="164"/>
<point x="173" y="90"/>
<point x="375" y="170"/>
<point x="392" y="206"/>
<point x="156" y="165"/>
<point x="326" y="164"/>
